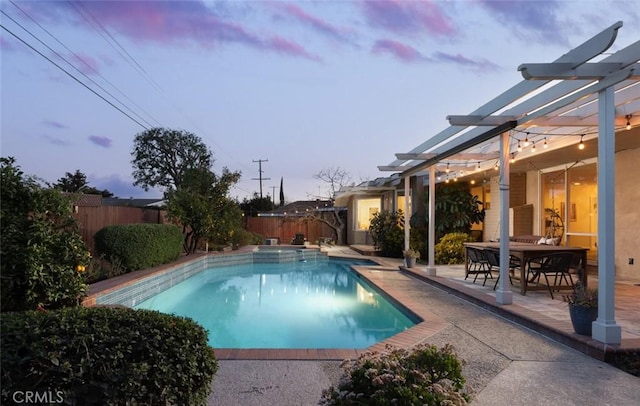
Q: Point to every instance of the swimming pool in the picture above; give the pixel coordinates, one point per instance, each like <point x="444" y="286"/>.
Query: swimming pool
<point x="301" y="304"/>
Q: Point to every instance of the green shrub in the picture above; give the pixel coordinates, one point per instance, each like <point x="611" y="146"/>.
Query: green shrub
<point x="139" y="246"/>
<point x="387" y="232"/>
<point x="43" y="256"/>
<point x="450" y="249"/>
<point x="242" y="237"/>
<point x="107" y="356"/>
<point x="423" y="375"/>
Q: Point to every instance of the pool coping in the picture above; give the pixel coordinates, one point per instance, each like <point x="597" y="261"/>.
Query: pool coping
<point x="428" y="325"/>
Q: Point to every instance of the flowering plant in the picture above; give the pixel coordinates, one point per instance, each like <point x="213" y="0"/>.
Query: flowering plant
<point x="411" y="253"/>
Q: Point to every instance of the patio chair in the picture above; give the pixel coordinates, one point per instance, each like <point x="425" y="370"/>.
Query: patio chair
<point x="557" y="264"/>
<point x="493" y="257"/>
<point x="477" y="264"/>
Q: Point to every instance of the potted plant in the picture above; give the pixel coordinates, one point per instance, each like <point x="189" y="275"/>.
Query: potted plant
<point x="410" y="257"/>
<point x="583" y="307"/>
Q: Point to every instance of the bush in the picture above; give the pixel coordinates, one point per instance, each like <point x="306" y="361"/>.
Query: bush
<point x="423" y="375"/>
<point x="387" y="232"/>
<point x="107" y="356"/>
<point x="43" y="257"/>
<point x="242" y="237"/>
<point x="450" y="249"/>
<point x="139" y="246"/>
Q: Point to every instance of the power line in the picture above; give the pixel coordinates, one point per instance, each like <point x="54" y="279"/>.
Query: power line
<point x="70" y="75"/>
<point x="84" y="62"/>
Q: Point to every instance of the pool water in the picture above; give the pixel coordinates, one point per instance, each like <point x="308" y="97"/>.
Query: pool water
<point x="316" y="304"/>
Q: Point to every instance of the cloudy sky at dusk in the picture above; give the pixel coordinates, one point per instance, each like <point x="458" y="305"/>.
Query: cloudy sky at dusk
<point x="305" y="85"/>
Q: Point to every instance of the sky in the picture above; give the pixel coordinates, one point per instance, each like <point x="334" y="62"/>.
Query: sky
<point x="304" y="86"/>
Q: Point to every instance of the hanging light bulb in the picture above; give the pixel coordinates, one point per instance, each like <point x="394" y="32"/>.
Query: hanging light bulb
<point x="545" y="146"/>
<point x="526" y="140"/>
<point x="628" y="117"/>
<point x="496" y="167"/>
<point x="533" y="147"/>
<point x="447" y="181"/>
<point x="455" y="177"/>
<point x="519" y="147"/>
<point x="447" y="170"/>
<point x="581" y="144"/>
<point x="478" y="167"/>
<point x="513" y="158"/>
<point x="473" y="182"/>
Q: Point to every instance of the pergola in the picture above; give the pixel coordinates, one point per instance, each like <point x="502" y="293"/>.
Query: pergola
<point x="582" y="96"/>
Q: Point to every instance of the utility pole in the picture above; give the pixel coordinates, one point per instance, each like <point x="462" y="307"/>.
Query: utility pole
<point x="260" y="178"/>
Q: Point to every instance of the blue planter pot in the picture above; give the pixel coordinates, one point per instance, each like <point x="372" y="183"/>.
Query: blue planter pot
<point x="581" y="318"/>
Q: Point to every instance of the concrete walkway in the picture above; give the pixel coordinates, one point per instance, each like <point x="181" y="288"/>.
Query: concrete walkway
<point x="505" y="364"/>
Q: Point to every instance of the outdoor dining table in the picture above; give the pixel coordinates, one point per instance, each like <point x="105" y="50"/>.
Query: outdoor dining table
<point x="525" y="251"/>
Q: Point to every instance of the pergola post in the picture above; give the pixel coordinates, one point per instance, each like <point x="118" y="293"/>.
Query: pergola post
<point x="504" y="295"/>
<point x="605" y="329"/>
<point x="407" y="215"/>
<point x="431" y="239"/>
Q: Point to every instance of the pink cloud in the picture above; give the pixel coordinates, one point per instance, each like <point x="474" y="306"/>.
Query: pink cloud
<point x="86" y="64"/>
<point x="319" y="25"/>
<point x="172" y="23"/>
<point x="401" y="51"/>
<point x="291" y="48"/>
<point x="480" y="64"/>
<point x="408" y="17"/>
<point x="537" y="17"/>
<point x="101" y="141"/>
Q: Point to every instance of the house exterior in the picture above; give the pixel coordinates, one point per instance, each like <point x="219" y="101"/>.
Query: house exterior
<point x="555" y="154"/>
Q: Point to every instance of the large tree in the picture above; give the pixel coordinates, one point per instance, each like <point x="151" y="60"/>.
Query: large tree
<point x="197" y="198"/>
<point x="77" y="183"/>
<point x="162" y="156"/>
<point x="251" y="207"/>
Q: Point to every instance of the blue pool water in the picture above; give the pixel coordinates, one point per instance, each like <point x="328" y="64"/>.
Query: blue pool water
<point x="318" y="304"/>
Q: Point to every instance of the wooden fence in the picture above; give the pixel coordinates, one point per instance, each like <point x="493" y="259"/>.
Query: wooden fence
<point x="284" y="229"/>
<point x="92" y="219"/>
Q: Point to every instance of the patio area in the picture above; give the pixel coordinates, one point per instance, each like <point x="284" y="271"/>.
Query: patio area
<point x="537" y="311"/>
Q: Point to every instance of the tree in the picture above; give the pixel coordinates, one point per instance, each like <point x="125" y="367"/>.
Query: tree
<point x="251" y="207"/>
<point x="202" y="206"/>
<point x="43" y="257"/>
<point x="281" y="192"/>
<point x="161" y="157"/>
<point x="456" y="209"/>
<point x="334" y="179"/>
<point x="77" y="183"/>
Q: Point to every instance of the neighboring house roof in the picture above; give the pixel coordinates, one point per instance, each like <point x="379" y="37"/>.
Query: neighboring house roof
<point x="374" y="187"/>
<point x="85" y="200"/>
<point x="131" y="202"/>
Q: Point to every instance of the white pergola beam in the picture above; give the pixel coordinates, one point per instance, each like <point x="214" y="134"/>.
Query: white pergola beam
<point x="476" y="120"/>
<point x="565" y="71"/>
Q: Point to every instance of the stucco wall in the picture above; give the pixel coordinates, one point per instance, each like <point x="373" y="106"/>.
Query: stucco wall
<point x="627" y="214"/>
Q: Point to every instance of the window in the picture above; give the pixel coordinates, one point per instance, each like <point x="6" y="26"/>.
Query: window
<point x="365" y="210"/>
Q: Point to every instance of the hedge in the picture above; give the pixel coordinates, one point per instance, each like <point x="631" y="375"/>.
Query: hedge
<point x="106" y="355"/>
<point x="139" y="246"/>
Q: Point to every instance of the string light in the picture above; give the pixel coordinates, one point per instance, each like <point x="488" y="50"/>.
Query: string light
<point x="628" y="117"/>
<point x="513" y="158"/>
<point x="545" y="146"/>
<point x="496" y="167"/>
<point x="533" y="147"/>
<point x="447" y="170"/>
<point x="581" y="144"/>
<point x="526" y="140"/>
<point x="478" y="167"/>
<point x="519" y="146"/>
